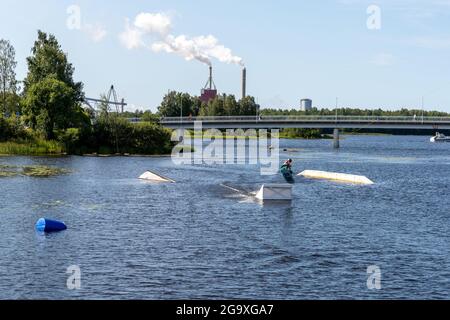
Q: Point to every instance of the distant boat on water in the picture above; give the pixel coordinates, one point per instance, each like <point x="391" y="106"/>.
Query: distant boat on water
<point x="439" y="137"/>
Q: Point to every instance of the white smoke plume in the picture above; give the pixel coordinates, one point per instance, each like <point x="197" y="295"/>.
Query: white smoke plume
<point x="187" y="48"/>
<point x="158" y="26"/>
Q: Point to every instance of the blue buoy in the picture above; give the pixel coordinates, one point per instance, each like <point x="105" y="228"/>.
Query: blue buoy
<point x="46" y="225"/>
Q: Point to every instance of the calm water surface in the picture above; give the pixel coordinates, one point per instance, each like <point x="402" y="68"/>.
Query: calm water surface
<point x="196" y="239"/>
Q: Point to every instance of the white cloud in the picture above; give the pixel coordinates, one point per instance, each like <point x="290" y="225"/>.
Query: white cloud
<point x="144" y="23"/>
<point x="95" y="31"/>
<point x="159" y="23"/>
<point x="383" y="60"/>
<point x="131" y="38"/>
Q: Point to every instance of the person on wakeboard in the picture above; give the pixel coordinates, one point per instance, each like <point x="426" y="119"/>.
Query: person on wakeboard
<point x="287" y="166"/>
<point x="286" y="170"/>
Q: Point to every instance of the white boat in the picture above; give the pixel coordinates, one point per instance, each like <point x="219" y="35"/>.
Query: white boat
<point x="439" y="137"/>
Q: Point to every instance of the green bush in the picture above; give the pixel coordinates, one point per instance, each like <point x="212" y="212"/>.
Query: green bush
<point x="70" y="138"/>
<point x="117" y="135"/>
<point x="105" y="150"/>
<point x="149" y="138"/>
<point x="11" y="128"/>
<point x="301" y="133"/>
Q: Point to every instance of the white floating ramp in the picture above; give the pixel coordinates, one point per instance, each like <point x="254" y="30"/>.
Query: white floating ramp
<point x="281" y="191"/>
<point x="151" y="176"/>
<point x="336" y="176"/>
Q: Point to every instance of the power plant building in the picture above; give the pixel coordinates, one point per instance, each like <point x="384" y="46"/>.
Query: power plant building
<point x="209" y="92"/>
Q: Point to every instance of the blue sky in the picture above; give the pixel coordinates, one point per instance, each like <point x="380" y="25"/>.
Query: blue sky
<point x="292" y="49"/>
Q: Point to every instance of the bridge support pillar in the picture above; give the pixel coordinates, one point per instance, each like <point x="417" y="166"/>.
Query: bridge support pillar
<point x="336" y="139"/>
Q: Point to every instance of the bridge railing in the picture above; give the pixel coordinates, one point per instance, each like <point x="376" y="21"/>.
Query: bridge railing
<point x="307" y="119"/>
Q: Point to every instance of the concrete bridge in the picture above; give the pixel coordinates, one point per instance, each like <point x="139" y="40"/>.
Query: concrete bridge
<point x="310" y="122"/>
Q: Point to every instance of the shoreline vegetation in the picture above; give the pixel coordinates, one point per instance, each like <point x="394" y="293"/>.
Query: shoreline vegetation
<point x="31" y="148"/>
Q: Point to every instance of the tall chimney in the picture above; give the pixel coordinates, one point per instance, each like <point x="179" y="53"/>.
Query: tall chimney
<point x="210" y="78"/>
<point x="244" y="83"/>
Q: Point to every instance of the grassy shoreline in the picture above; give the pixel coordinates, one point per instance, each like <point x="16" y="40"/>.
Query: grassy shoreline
<point x="54" y="148"/>
<point x="31" y="148"/>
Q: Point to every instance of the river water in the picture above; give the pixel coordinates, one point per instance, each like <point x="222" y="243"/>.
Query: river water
<point x="196" y="239"/>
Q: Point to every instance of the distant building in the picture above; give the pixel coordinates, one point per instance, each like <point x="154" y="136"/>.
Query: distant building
<point x="209" y="92"/>
<point x="305" y="105"/>
<point x="207" y="95"/>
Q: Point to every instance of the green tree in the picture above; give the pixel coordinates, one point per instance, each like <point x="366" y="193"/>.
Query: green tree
<point x="52" y="99"/>
<point x="173" y="101"/>
<point x="149" y="116"/>
<point x="248" y="106"/>
<point x="196" y="106"/>
<point x="49" y="105"/>
<point x="48" y="59"/>
<point x="171" y="104"/>
<point x="186" y="103"/>
<point x="8" y="83"/>
<point x="216" y="106"/>
<point x="231" y="106"/>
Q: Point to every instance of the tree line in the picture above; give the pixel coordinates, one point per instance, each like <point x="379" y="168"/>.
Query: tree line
<point x="176" y="104"/>
<point x="317" y="133"/>
<point x="355" y="112"/>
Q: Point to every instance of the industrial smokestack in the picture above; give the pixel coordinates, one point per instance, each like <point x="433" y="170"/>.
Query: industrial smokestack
<point x="210" y="85"/>
<point x="244" y="83"/>
<point x="210" y="78"/>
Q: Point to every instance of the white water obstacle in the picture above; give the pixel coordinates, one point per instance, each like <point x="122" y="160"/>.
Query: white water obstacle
<point x="336" y="176"/>
<point x="281" y="191"/>
<point x="151" y="176"/>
